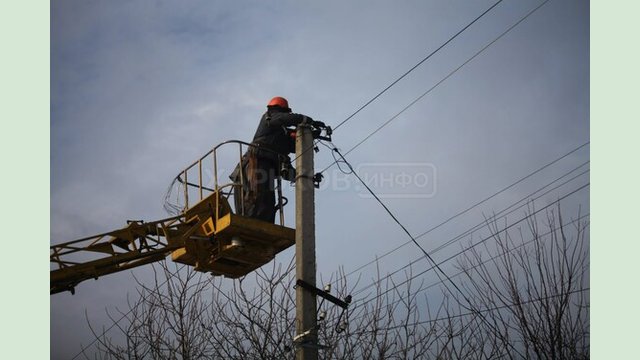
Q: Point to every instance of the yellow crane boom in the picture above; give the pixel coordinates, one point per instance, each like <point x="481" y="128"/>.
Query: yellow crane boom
<point x="89" y="258"/>
<point x="208" y="236"/>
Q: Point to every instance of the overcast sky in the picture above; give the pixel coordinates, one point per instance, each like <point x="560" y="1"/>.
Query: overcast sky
<point x="141" y="89"/>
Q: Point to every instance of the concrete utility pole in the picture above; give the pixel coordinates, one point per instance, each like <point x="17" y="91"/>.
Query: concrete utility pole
<point x="306" y="329"/>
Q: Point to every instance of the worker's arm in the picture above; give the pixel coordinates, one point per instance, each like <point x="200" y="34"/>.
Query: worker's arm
<point x="290" y="119"/>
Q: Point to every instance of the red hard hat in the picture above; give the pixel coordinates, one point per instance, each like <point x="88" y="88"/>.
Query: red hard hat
<point x="279" y="101"/>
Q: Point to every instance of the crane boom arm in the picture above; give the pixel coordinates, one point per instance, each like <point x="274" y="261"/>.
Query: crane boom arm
<point x="136" y="244"/>
<point x="207" y="236"/>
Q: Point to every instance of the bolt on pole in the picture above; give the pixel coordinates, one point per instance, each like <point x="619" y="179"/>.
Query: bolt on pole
<point x="306" y="327"/>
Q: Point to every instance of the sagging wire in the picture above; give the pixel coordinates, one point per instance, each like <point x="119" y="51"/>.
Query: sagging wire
<point x="440" y="272"/>
<point x="337" y="158"/>
<point x="426" y="255"/>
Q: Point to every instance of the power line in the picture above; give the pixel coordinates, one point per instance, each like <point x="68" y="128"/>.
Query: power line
<point x="408" y="71"/>
<point x="481" y="224"/>
<point x="472" y="206"/>
<point x="416" y="65"/>
<point x="483" y="240"/>
<point x="436" y="266"/>
<point x="439" y="82"/>
<point x="427" y="256"/>
<point x="495" y="308"/>
<point x="525" y="198"/>
<point x="356" y="305"/>
<point x="378" y="296"/>
<point x="384" y="206"/>
<point x="513" y="249"/>
<point x="411" y="104"/>
<point x="407" y="107"/>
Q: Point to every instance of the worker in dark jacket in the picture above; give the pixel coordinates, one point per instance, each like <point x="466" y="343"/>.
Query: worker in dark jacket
<point x="263" y="164"/>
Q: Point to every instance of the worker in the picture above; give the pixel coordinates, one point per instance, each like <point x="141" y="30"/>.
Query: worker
<point x="268" y="159"/>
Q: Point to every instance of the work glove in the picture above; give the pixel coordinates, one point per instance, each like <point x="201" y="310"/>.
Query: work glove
<point x="318" y="124"/>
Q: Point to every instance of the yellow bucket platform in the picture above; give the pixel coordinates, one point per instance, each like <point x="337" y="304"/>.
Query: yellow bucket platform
<point x="227" y="244"/>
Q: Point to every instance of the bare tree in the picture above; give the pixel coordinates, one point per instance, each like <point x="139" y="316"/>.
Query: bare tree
<point x="385" y="326"/>
<point x="525" y="296"/>
<point x="535" y="289"/>
<point x="252" y="319"/>
<point x="163" y="321"/>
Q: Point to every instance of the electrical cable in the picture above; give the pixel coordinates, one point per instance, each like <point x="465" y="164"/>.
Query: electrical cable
<point x="440" y="82"/>
<point x="427" y="256"/>
<point x="504" y="253"/>
<point x="411" y="104"/>
<point x="407" y="72"/>
<point x="382" y="203"/>
<point x="538" y="170"/>
<point x="478" y="226"/>
<point x="501" y="213"/>
<point x="417" y="65"/>
<point x="483" y="311"/>
<point x="361" y="302"/>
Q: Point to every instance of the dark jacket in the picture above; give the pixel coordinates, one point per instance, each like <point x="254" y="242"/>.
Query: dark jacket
<point x="271" y="133"/>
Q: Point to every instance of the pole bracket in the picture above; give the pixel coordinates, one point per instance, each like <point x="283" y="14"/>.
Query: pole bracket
<point x="323" y="294"/>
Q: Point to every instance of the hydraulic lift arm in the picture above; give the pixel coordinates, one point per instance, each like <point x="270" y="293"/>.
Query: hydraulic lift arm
<point x="137" y="244"/>
<point x="214" y="241"/>
<point x="207" y="235"/>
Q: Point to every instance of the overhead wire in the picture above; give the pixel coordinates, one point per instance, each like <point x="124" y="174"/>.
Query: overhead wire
<point x="435" y="265"/>
<point x="407" y="107"/>
<point x="336" y="161"/>
<point x="408" y="72"/>
<point x="389" y="212"/>
<point x="398" y="114"/>
<point x="510" y="250"/>
<point x="501" y="213"/>
<point x="473" y="206"/>
<point x="439" y="271"/>
<point x="523" y="199"/>
<point x="359" y="303"/>
<point x="478" y="226"/>
<point x="417" y="65"/>
<point x="451" y="257"/>
<point x="342" y="159"/>
<point x="505" y="306"/>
